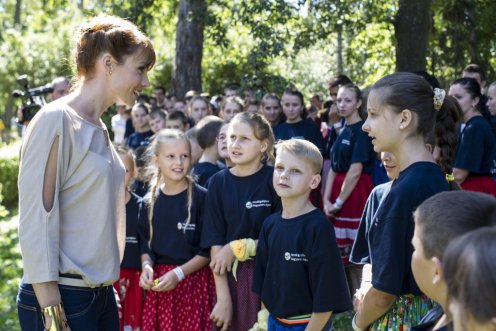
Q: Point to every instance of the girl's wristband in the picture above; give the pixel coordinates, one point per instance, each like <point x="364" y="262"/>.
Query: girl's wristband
<point x="179" y="273"/>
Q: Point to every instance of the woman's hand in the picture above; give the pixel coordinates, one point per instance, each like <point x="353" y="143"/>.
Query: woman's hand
<point x="222" y="261"/>
<point x="166" y="282"/>
<point x="222" y="314"/>
<point x="146" y="277"/>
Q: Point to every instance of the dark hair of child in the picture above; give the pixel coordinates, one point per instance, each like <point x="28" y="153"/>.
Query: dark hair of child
<point x="461" y="211"/>
<point x="475" y="69"/>
<point x="157" y="113"/>
<point x="468" y="267"/>
<point x="473" y="88"/>
<point x="177" y="115"/>
<point x="207" y="130"/>
<point x="405" y="90"/>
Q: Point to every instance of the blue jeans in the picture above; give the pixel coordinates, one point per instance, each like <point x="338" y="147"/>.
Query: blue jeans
<point x="85" y="308"/>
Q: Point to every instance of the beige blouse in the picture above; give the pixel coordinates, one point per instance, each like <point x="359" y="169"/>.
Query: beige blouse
<point x="84" y="232"/>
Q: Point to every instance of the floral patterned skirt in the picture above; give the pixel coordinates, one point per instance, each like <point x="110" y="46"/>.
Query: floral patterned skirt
<point x="407" y="311"/>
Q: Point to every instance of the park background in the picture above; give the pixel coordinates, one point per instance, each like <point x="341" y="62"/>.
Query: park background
<point x="264" y="45"/>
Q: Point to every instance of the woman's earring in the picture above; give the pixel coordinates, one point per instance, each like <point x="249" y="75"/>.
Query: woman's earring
<point x="110" y="71"/>
<point x="401" y="127"/>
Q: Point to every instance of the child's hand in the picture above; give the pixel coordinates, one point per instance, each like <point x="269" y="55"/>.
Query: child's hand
<point x="146" y="277"/>
<point x="222" y="314"/>
<point x="166" y="282"/>
<point x="222" y="261"/>
<point x="328" y="207"/>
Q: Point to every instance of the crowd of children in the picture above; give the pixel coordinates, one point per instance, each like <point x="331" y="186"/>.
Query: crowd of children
<point x="259" y="205"/>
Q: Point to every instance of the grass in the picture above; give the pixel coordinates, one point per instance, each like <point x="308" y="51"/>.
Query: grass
<point x="342" y="321"/>
<point x="10" y="272"/>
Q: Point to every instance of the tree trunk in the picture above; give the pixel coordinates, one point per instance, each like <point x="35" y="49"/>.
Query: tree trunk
<point x="189" y="47"/>
<point x="340" y="50"/>
<point x="17" y="13"/>
<point x="412" y="28"/>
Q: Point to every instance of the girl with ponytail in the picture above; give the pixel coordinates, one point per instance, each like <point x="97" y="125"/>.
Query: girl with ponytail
<point x="174" y="268"/>
<point x="402" y="111"/>
<point x="476" y="151"/>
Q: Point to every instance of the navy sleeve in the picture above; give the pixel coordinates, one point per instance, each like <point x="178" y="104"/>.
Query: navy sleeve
<point x="362" y="148"/>
<point x="316" y="137"/>
<point x="327" y="276"/>
<point x="214" y="227"/>
<point x="470" y="150"/>
<point x="144" y="230"/>
<point x="389" y="254"/>
<point x="360" y="253"/>
<point x="200" y="195"/>
<point x="260" y="262"/>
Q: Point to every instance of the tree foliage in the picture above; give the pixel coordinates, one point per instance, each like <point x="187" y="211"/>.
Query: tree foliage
<point x="265" y="45"/>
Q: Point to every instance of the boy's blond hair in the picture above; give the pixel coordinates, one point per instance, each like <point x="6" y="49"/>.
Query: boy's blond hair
<point x="303" y="150"/>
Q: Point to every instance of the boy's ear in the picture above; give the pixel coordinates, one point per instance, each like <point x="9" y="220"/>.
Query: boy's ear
<point x="315" y="181"/>
<point x="438" y="273"/>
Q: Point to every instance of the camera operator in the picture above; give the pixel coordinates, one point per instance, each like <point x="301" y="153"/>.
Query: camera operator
<point x="58" y="88"/>
<point x="61" y="87"/>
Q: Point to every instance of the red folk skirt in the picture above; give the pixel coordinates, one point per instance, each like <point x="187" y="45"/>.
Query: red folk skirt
<point x="347" y="219"/>
<point x="484" y="184"/>
<point x="185" y="308"/>
<point x="131" y="297"/>
<point x="246" y="303"/>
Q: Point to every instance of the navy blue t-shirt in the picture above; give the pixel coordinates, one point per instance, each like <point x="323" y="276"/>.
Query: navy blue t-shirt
<point x="352" y="145"/>
<point x="390" y="236"/>
<point x="360" y="253"/>
<point x="174" y="241"/>
<point x="304" y="129"/>
<point x="236" y="207"/>
<point x="132" y="254"/>
<point x="298" y="267"/>
<point x="202" y="171"/>
<point x="476" y="149"/>
<point x="138" y="139"/>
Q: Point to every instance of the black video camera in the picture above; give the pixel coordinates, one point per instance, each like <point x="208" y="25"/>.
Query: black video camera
<point x="33" y="98"/>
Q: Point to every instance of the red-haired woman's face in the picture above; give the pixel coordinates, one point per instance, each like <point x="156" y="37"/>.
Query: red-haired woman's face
<point x="128" y="79"/>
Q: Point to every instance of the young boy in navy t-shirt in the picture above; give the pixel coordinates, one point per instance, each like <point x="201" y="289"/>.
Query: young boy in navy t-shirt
<point x="299" y="273"/>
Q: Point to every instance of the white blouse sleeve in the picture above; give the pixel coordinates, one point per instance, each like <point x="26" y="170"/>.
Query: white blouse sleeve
<point x="39" y="228"/>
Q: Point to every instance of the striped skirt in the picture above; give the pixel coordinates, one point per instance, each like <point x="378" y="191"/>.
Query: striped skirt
<point x="347" y="220"/>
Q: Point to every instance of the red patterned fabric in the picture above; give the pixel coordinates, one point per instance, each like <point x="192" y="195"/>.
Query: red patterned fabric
<point x="484" y="184"/>
<point x="347" y="220"/>
<point x="186" y="308"/>
<point x="246" y="304"/>
<point x="131" y="297"/>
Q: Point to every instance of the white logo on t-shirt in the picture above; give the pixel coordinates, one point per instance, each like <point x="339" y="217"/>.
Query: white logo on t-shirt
<point x="295" y="257"/>
<point x="258" y="204"/>
<point x="185" y="227"/>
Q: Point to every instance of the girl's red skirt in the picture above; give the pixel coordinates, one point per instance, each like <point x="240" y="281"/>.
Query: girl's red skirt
<point x="246" y="303"/>
<point x="347" y="219"/>
<point x="131" y="297"/>
<point x="185" y="308"/>
<point x="484" y="184"/>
